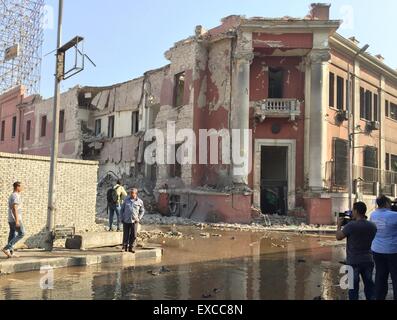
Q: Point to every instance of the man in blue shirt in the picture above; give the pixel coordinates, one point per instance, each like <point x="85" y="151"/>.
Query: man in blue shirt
<point x="384" y="248"/>
<point x="132" y="212"/>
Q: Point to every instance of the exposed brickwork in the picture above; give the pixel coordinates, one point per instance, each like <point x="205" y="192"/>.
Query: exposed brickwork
<point x="76" y="194"/>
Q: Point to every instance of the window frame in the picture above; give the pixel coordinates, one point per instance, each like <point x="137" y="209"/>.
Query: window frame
<point x="14" y="127"/>
<point x="28" y="133"/>
<point x="43" y="126"/>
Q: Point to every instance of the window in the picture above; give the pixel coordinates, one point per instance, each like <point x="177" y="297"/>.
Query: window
<point x="98" y="127"/>
<point x="393" y="163"/>
<point x="362" y="103"/>
<point x="176" y="169"/>
<point x="349" y="90"/>
<point x="387" y="162"/>
<point x="376" y="107"/>
<point x="111" y="127"/>
<point x="371" y="157"/>
<point x="43" y="126"/>
<point x="276" y="77"/>
<point x="3" y="129"/>
<point x="340" y="84"/>
<point x="28" y="129"/>
<point x="387" y="108"/>
<point x="135" y="122"/>
<point x="331" y="89"/>
<point x="368" y="106"/>
<point x="393" y="111"/>
<point x="62" y="121"/>
<point x="14" y="127"/>
<point x="341" y="160"/>
<point x="179" y="90"/>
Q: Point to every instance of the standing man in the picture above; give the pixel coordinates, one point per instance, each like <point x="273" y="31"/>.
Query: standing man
<point x="359" y="233"/>
<point x="17" y="231"/>
<point x="132" y="212"/>
<point x="384" y="248"/>
<point x="115" y="198"/>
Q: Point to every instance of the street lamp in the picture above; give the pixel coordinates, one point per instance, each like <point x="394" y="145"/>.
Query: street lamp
<point x="351" y="123"/>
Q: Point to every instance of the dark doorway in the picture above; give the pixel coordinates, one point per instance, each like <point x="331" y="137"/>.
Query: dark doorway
<point x="274" y="180"/>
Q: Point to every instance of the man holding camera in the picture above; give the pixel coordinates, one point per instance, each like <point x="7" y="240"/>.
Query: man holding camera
<point x="384" y="248"/>
<point x="359" y="233"/>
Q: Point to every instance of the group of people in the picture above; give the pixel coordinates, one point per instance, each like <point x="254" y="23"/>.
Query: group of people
<point x="371" y="243"/>
<point x="129" y="210"/>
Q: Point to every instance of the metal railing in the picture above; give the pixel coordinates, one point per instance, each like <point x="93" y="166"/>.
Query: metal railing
<point x="369" y="179"/>
<point x="279" y="108"/>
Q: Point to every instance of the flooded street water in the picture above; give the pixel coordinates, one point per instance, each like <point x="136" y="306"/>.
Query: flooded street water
<point x="228" y="265"/>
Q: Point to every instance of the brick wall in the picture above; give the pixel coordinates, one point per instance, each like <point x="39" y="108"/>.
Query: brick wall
<point x="76" y="194"/>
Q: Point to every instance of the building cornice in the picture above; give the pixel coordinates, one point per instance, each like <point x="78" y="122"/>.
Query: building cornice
<point x="367" y="60"/>
<point x="289" y="25"/>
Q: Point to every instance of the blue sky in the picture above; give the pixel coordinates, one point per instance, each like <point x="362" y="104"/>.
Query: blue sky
<point x="125" y="38"/>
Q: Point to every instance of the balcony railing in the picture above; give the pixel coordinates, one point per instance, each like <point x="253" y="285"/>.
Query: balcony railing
<point x="369" y="179"/>
<point x="278" y="108"/>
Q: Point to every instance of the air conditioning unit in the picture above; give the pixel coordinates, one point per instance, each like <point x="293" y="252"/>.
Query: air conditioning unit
<point x="373" y="126"/>
<point x="342" y="116"/>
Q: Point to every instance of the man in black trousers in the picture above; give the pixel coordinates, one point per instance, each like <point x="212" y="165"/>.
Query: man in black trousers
<point x="132" y="212"/>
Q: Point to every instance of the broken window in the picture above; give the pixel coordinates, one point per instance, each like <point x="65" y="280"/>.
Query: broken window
<point x="135" y="123"/>
<point x="362" y="103"/>
<point x="341" y="160"/>
<point x="61" y="121"/>
<point x="111" y="127"/>
<point x="331" y="90"/>
<point x="43" y="131"/>
<point x="276" y="77"/>
<point x="371" y="157"/>
<point x="28" y="129"/>
<point x="393" y="163"/>
<point x="393" y="111"/>
<point x="179" y="90"/>
<point x="340" y="84"/>
<point x="3" y="129"/>
<point x="176" y="168"/>
<point x="98" y="127"/>
<point x="368" y="106"/>
<point x="14" y="127"/>
<point x="376" y="107"/>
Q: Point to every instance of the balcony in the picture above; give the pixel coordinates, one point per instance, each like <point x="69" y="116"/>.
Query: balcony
<point x="371" y="181"/>
<point x="278" y="108"/>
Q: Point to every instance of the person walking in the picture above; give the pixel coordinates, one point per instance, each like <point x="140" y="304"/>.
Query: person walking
<point x="132" y="212"/>
<point x="115" y="198"/>
<point x="359" y="233"/>
<point x="384" y="248"/>
<point x="17" y="231"/>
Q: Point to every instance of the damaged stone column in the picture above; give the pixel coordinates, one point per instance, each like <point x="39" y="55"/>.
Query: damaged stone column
<point x="319" y="61"/>
<point x="243" y="58"/>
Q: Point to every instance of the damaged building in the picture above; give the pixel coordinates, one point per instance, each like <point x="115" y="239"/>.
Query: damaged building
<point x="285" y="79"/>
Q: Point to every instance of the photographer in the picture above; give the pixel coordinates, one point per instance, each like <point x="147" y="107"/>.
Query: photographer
<point x="359" y="233"/>
<point x="384" y="248"/>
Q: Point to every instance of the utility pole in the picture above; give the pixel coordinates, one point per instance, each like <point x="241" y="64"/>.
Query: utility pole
<point x="351" y="129"/>
<point x="55" y="129"/>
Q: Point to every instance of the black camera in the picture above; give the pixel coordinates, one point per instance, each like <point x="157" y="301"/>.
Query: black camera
<point x="394" y="206"/>
<point x="347" y="217"/>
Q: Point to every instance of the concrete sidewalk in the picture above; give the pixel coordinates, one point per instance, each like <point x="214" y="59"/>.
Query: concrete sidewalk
<point x="34" y="260"/>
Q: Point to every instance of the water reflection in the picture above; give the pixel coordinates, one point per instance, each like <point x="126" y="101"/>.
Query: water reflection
<point x="236" y="266"/>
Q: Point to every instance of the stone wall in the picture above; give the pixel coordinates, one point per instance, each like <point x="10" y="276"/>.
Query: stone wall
<point x="76" y="194"/>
